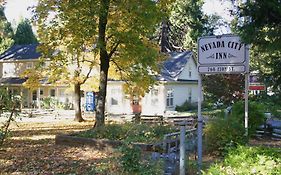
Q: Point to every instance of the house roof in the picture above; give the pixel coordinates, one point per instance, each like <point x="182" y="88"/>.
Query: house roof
<point x="174" y="65"/>
<point x="12" y="80"/>
<point x="21" y="52"/>
<point x="19" y="81"/>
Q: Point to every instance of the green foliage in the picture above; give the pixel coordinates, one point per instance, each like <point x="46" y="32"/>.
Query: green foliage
<point x="6" y="32"/>
<point x="53" y="103"/>
<point x="48" y="103"/>
<point x="271" y="104"/>
<point x="130" y="159"/>
<point x="133" y="163"/>
<point x="227" y="88"/>
<point x="187" y="19"/>
<point x="248" y="160"/>
<point x="222" y="134"/>
<point x="186" y="22"/>
<point x="259" y="24"/>
<point x="24" y="33"/>
<point x="186" y="106"/>
<point x="8" y="110"/>
<point x="256" y="114"/>
<point x="100" y="33"/>
<point x="129" y="132"/>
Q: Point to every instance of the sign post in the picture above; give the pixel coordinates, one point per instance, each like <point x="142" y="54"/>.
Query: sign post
<point x="224" y="54"/>
<point x="199" y="125"/>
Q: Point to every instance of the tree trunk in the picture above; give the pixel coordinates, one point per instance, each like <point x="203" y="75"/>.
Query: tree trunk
<point x="104" y="63"/>
<point x="77" y="103"/>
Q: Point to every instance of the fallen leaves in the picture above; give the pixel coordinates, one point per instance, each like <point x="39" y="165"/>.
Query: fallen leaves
<point x="32" y="150"/>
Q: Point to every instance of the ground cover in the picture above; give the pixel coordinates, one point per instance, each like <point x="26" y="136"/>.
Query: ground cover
<point x="130" y="132"/>
<point x="248" y="160"/>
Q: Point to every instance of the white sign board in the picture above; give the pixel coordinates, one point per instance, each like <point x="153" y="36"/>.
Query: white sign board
<point x="225" y="49"/>
<point x="230" y="69"/>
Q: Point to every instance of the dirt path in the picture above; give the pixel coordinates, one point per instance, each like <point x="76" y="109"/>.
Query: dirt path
<point x="31" y="150"/>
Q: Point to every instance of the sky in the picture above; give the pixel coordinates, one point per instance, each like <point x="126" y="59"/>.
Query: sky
<point x="17" y="9"/>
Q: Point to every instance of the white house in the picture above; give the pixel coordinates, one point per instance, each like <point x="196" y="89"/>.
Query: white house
<point x="13" y="63"/>
<point x="178" y="82"/>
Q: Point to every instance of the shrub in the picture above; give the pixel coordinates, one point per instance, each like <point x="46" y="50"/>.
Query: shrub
<point x="186" y="106"/>
<point x="129" y="132"/>
<point x="256" y="114"/>
<point x="130" y="158"/>
<point x="133" y="162"/>
<point x="222" y="134"/>
<point x="248" y="160"/>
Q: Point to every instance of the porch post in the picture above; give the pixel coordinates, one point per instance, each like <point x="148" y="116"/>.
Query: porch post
<point x="38" y="98"/>
<point x="21" y="95"/>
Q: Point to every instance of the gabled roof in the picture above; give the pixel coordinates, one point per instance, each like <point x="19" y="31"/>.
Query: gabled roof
<point x="20" y="52"/>
<point x="12" y="80"/>
<point x="174" y="65"/>
<point x="19" y="81"/>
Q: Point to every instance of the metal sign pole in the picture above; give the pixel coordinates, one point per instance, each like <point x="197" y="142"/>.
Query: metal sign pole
<point x="247" y="89"/>
<point x="200" y="124"/>
<point x="246" y="103"/>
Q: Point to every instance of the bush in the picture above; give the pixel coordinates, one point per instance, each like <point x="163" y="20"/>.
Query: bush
<point x="248" y="160"/>
<point x="186" y="106"/>
<point x="129" y="132"/>
<point x="222" y="134"/>
<point x="256" y="115"/>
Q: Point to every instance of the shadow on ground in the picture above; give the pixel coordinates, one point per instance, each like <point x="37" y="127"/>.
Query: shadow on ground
<point x="31" y="150"/>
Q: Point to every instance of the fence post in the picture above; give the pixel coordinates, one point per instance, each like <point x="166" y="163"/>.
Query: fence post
<point x="182" y="148"/>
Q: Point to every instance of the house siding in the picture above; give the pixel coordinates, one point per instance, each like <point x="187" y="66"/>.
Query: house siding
<point x="191" y="67"/>
<point x="181" y="93"/>
<point x="15" y="69"/>
<point x="152" y="103"/>
<point x="116" y="100"/>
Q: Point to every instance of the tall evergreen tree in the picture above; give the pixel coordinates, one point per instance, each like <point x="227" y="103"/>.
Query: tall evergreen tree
<point x="24" y="33"/>
<point x="259" y="23"/>
<point x="6" y="32"/>
<point x="185" y="24"/>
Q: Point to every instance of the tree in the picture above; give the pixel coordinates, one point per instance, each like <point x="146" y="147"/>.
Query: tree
<point x="227" y="88"/>
<point x="8" y="110"/>
<point x="6" y="32"/>
<point x="185" y="24"/>
<point x="259" y="23"/>
<point x="115" y="31"/>
<point x="24" y="33"/>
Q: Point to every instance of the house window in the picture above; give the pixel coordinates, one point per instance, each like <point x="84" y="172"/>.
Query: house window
<point x="53" y="92"/>
<point x="41" y="92"/>
<point x="34" y="95"/>
<point x="154" y="92"/>
<point x="170" y="97"/>
<point x="114" y="98"/>
<point x="189" y="72"/>
<point x="114" y="101"/>
<point x="154" y="96"/>
<point x="28" y="65"/>
<point x="189" y="95"/>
